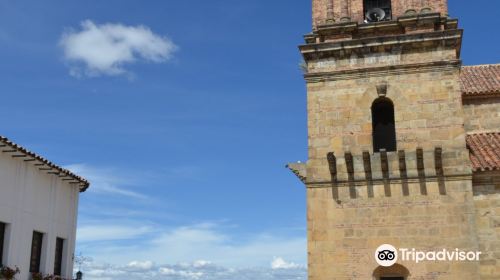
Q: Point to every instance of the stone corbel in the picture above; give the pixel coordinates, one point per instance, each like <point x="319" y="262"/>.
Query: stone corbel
<point x="382" y="89"/>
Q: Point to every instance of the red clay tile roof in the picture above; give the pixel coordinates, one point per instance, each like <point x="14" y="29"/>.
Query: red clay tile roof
<point x="484" y="151"/>
<point x="16" y="151"/>
<point x="480" y="80"/>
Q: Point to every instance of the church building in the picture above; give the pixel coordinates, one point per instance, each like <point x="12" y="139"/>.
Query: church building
<point x="38" y="213"/>
<point x="403" y="144"/>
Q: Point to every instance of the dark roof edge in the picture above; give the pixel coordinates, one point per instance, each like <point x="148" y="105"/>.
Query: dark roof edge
<point x="43" y="164"/>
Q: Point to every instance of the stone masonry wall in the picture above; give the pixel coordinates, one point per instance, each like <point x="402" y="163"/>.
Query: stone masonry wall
<point x="482" y="115"/>
<point x="343" y="236"/>
<point x="354" y="9"/>
<point x="350" y="217"/>
<point x="487" y="208"/>
<point x="428" y="114"/>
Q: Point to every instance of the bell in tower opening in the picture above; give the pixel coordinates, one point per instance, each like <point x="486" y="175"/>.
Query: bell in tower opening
<point x="377" y="10"/>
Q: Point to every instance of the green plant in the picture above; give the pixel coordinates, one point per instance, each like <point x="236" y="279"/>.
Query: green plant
<point x="8" y="273"/>
<point x="53" y="277"/>
<point x="39" y="276"/>
<point x="36" y="276"/>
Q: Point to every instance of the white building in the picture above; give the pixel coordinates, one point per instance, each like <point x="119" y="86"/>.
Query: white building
<point x="38" y="212"/>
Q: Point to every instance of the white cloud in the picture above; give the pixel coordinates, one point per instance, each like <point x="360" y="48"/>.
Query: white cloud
<point x="185" y="244"/>
<point x="104" y="182"/>
<point x="189" y="271"/>
<point x="105" y="49"/>
<point x="201" y="263"/>
<point x="92" y="233"/>
<point x="280" y="263"/>
<point x="146" y="265"/>
<point x="181" y="273"/>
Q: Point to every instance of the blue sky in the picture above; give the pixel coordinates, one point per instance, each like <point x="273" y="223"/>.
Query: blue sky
<point x="185" y="143"/>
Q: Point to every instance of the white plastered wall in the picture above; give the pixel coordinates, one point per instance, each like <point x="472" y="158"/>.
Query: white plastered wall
<point x="32" y="200"/>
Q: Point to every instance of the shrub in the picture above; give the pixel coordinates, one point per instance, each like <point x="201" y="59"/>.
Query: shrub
<point x="36" y="276"/>
<point x="39" y="276"/>
<point x="8" y="273"/>
<point x="52" y="277"/>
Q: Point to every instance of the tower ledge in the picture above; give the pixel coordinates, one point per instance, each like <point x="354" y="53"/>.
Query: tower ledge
<point x="342" y="40"/>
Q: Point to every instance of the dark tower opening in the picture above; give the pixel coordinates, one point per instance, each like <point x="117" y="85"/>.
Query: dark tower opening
<point x="372" y="10"/>
<point x="395" y="272"/>
<point x="383" y="125"/>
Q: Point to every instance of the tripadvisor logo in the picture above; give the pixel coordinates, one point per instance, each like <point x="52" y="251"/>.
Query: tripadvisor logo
<point x="387" y="255"/>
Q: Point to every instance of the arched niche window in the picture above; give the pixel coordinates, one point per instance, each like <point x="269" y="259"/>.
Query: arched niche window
<point x="395" y="272"/>
<point x="383" y="125"/>
<point x="384" y="5"/>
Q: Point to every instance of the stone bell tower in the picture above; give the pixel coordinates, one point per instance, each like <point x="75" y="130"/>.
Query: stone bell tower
<point x="388" y="162"/>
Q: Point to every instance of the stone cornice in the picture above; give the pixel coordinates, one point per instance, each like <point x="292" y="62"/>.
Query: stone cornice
<point x="383" y="71"/>
<point x="299" y="169"/>
<point x="364" y="46"/>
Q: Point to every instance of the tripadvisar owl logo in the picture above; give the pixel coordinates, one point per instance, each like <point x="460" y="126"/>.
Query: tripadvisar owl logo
<point x="386" y="255"/>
